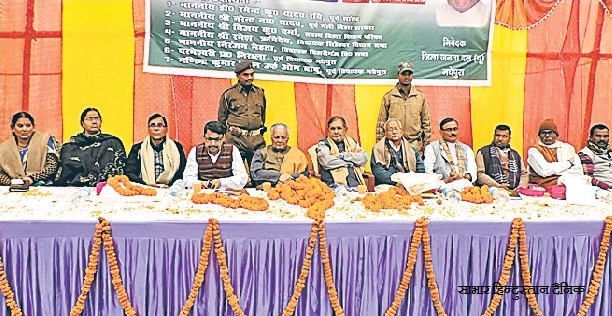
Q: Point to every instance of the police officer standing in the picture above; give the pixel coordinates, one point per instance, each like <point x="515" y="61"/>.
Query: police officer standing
<point x="242" y="108"/>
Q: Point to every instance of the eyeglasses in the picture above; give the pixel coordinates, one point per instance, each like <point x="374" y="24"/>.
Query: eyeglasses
<point x="450" y="129"/>
<point x="393" y="129"/>
<point x="214" y="139"/>
<point x="92" y="119"/>
<point x="158" y="125"/>
<point x="545" y="133"/>
<point x="280" y="137"/>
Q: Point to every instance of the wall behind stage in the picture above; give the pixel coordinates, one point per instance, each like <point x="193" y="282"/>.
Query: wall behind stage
<point x="56" y="58"/>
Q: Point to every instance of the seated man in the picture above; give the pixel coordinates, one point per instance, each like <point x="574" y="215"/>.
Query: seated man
<point x="499" y="165"/>
<point x="91" y="156"/>
<point x="448" y="156"/>
<point x="215" y="163"/>
<point x="341" y="160"/>
<point x="596" y="157"/>
<point x="549" y="158"/>
<point x="156" y="161"/>
<point x="393" y="153"/>
<point x="278" y="162"/>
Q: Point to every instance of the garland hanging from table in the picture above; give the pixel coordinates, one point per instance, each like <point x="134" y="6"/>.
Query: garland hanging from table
<point x="200" y="271"/>
<point x="329" y="279"/>
<point x="604" y="245"/>
<point x="429" y="270"/>
<point x="525" y="271"/>
<point x="5" y="287"/>
<point x="90" y="271"/>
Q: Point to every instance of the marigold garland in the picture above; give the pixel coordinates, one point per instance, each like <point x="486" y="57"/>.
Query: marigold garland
<point x="232" y="298"/>
<point x="329" y="279"/>
<point x="598" y="269"/>
<point x="415" y="242"/>
<point x="90" y="271"/>
<point x="5" y="287"/>
<point x="244" y="201"/>
<point x="200" y="271"/>
<point x="396" y="198"/>
<point x="431" y="277"/>
<point x="301" y="281"/>
<point x="122" y="185"/>
<point x="114" y="269"/>
<point x="309" y="193"/>
<point x="525" y="271"/>
<point x="477" y="195"/>
<point x="508" y="260"/>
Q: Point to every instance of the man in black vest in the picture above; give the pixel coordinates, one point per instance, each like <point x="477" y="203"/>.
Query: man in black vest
<point x="215" y="163"/>
<point x="500" y="166"/>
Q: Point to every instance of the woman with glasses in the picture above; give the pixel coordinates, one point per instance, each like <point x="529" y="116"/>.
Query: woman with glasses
<point x="29" y="155"/>
<point x="91" y="156"/>
<point x="156" y="161"/>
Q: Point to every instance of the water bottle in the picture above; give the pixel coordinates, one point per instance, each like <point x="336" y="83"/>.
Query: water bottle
<point x="80" y="196"/>
<point x="453" y="196"/>
<point x="342" y="194"/>
<point x="499" y="194"/>
<point x="177" y="188"/>
<point x="603" y="195"/>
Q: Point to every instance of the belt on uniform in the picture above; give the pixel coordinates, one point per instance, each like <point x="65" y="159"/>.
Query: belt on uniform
<point x="245" y="132"/>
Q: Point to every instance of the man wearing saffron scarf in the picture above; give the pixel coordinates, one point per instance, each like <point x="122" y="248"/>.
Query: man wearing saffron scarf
<point x="156" y="161"/>
<point x="549" y="158"/>
<point x="500" y="166"/>
<point x="596" y="157"/>
<point x="448" y="156"/>
<point x="341" y="159"/>
<point x="393" y="153"/>
<point x="278" y="162"/>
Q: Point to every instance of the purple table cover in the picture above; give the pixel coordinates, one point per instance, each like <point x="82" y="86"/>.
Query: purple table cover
<point x="45" y="263"/>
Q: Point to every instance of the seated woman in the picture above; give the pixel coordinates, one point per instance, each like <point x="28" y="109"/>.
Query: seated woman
<point x="28" y="155"/>
<point x="91" y="156"/>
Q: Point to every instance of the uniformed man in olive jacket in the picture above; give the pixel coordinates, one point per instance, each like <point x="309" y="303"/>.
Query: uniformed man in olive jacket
<point x="242" y="108"/>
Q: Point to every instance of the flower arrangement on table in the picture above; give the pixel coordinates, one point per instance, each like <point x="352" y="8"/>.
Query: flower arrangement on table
<point x="244" y="201"/>
<point x="477" y="195"/>
<point x="396" y="198"/>
<point x="308" y="193"/>
<point x="122" y="185"/>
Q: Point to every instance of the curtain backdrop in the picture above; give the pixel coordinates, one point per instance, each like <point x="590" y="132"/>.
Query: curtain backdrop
<point x="551" y="59"/>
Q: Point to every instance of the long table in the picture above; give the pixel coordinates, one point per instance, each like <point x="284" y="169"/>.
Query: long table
<point x="45" y="247"/>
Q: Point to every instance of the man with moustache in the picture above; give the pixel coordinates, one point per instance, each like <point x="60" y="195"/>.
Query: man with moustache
<point x="278" y="162"/>
<point x="242" y="109"/>
<point x="448" y="156"/>
<point x="407" y="104"/>
<point x="215" y="163"/>
<point x="500" y="166"/>
<point x="548" y="159"/>
<point x="156" y="161"/>
<point x="394" y="154"/>
<point x="341" y="159"/>
<point x="596" y="157"/>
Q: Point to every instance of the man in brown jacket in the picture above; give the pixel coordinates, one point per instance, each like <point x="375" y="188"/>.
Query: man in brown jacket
<point x="407" y="104"/>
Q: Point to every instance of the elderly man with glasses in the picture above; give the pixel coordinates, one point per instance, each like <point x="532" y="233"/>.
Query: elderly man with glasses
<point x="156" y="161"/>
<point x="393" y="153"/>
<point x="278" y="162"/>
<point x="549" y="158"/>
<point x="215" y="163"/>
<point x="448" y="156"/>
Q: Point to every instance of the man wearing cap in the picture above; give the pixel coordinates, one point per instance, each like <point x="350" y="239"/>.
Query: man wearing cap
<point x="215" y="163"/>
<point x="242" y="109"/>
<point x="549" y="158"/>
<point x="596" y="157"/>
<point x="407" y="104"/>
